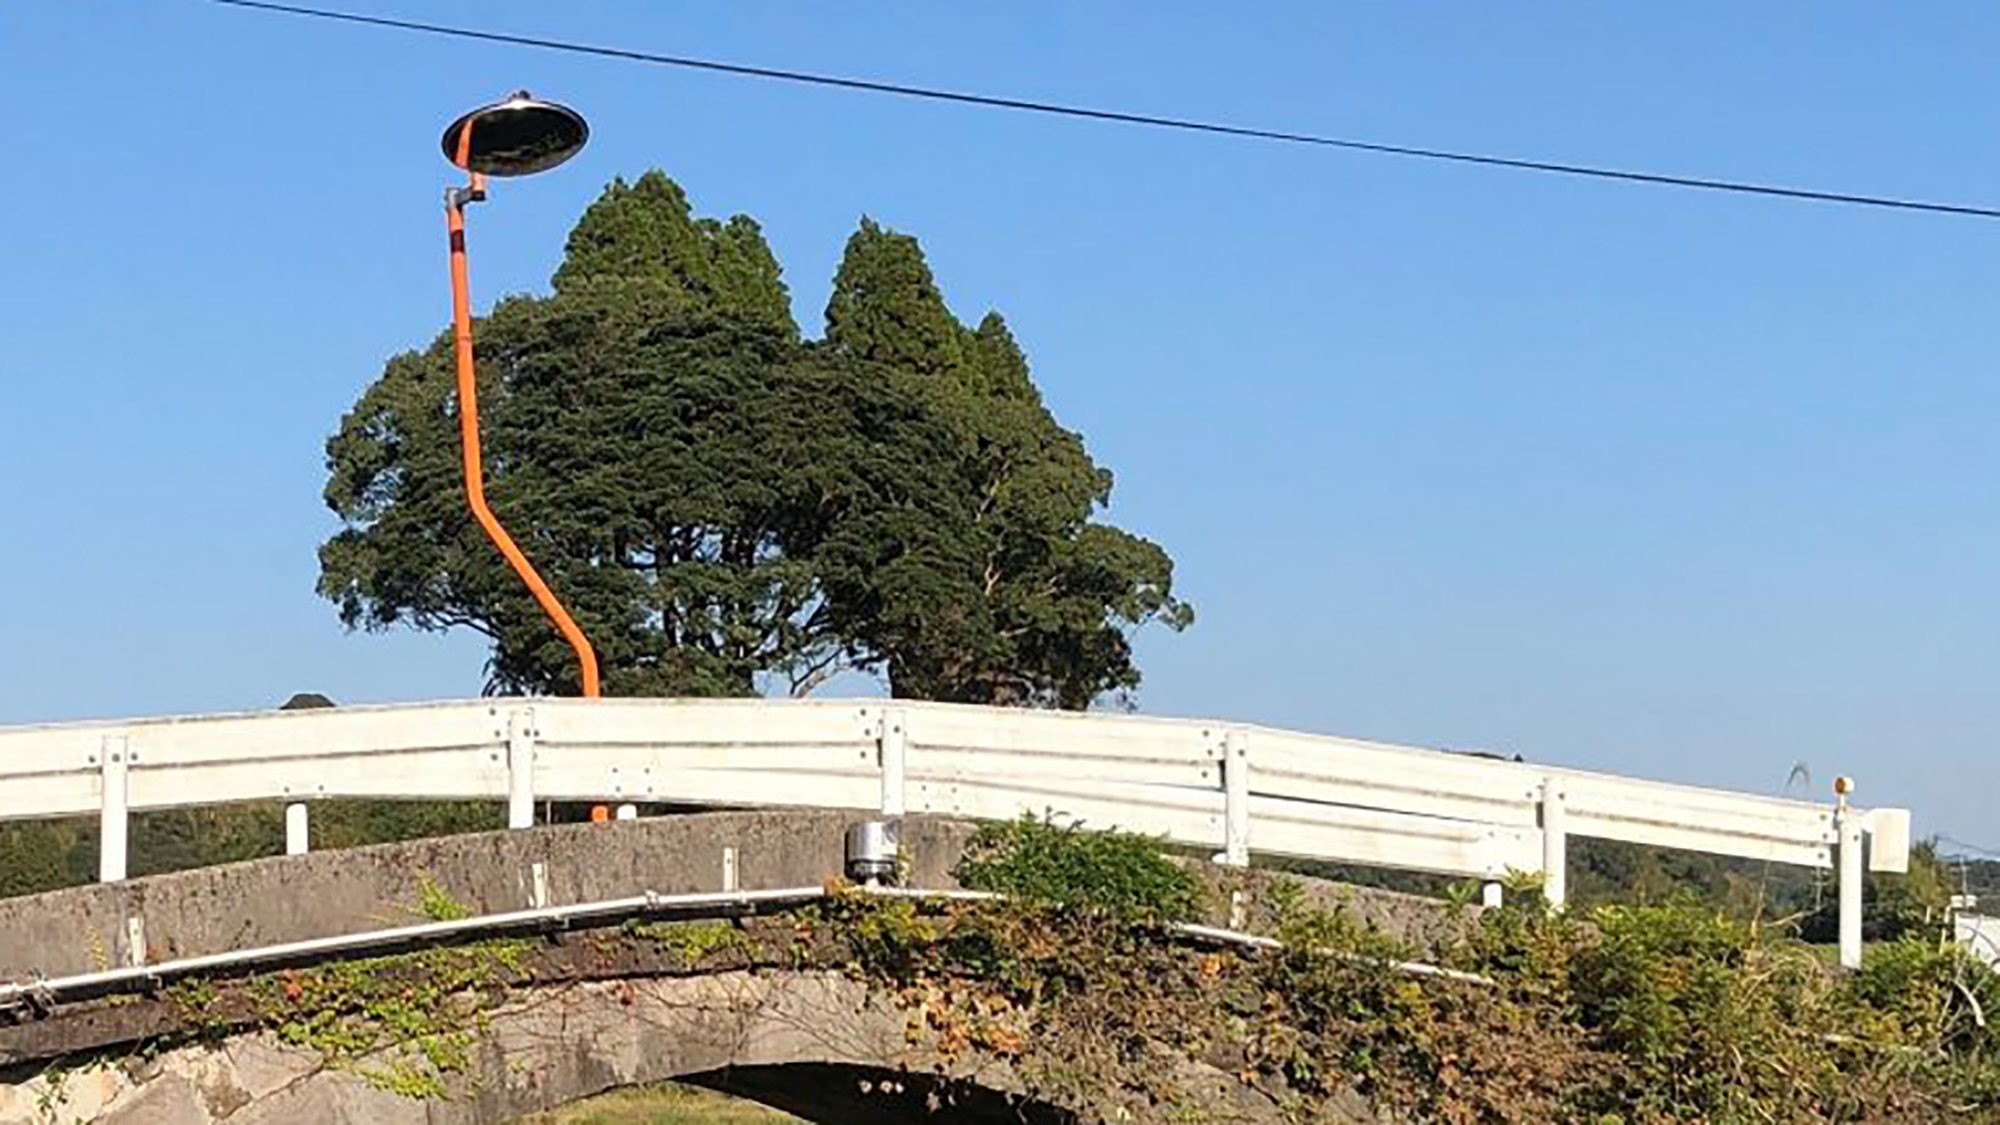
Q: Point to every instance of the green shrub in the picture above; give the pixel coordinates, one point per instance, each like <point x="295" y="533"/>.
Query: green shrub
<point x="1684" y="1013"/>
<point x="1037" y="859"/>
<point x="1926" y="994"/>
<point x="1710" y="1018"/>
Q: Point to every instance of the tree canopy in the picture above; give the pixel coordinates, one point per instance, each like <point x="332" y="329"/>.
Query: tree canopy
<point x="724" y="504"/>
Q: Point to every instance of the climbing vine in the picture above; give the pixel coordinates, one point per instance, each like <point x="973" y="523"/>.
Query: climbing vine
<point x="404" y="1023"/>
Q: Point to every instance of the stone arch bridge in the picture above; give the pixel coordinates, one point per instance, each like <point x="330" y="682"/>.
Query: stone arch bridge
<point x="450" y="1030"/>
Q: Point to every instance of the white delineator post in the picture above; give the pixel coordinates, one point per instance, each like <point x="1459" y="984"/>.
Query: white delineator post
<point x="1847" y="829"/>
<point x="113" y="756"/>
<point x="1555" y="845"/>
<point x="135" y="941"/>
<point x="298" y="836"/>
<point x="521" y="768"/>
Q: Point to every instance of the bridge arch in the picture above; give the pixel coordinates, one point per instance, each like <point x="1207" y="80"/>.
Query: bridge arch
<point x="584" y="1011"/>
<point x="820" y="1043"/>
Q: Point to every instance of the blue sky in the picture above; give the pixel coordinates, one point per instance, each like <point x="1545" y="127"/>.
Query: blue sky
<point x="1672" y="484"/>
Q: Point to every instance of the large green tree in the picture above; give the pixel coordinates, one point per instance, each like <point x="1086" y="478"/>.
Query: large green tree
<point x="723" y="504"/>
<point x="1026" y="599"/>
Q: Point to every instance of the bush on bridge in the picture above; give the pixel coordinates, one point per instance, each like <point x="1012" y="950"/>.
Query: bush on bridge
<point x="1040" y="860"/>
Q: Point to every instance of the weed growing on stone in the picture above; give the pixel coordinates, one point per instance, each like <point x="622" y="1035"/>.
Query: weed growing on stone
<point x="437" y="904"/>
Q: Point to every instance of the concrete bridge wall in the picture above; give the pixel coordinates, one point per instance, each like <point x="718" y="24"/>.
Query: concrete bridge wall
<point x="324" y="894"/>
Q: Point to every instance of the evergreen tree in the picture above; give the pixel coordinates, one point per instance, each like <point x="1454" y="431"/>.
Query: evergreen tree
<point x="886" y="308"/>
<point x="645" y="234"/>
<point x="721" y="504"/>
<point x="1024" y="599"/>
<point x="656" y="439"/>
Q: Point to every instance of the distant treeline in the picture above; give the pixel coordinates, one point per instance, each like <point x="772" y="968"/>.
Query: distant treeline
<point x="1980" y="877"/>
<point x="44" y="855"/>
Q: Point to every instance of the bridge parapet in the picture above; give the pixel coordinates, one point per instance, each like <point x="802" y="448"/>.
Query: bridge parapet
<point x="288" y="899"/>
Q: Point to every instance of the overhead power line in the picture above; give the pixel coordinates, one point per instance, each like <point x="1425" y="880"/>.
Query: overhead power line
<point x="1965" y="847"/>
<point x="990" y="101"/>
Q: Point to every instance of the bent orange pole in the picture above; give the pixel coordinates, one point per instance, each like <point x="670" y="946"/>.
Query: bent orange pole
<point x="468" y="432"/>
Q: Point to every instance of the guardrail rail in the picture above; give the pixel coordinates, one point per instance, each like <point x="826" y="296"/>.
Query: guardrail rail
<point x="1237" y="789"/>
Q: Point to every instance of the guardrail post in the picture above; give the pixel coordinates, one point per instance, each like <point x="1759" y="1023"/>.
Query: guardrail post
<point x="298" y="838"/>
<point x="112" y="759"/>
<point x="893" y="743"/>
<point x="1236" y="798"/>
<point x="1555" y="844"/>
<point x="1847" y="827"/>
<point x="521" y="768"/>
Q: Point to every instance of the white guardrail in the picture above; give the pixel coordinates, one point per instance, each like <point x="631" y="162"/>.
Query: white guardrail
<point x="1979" y="935"/>
<point x="1234" y="788"/>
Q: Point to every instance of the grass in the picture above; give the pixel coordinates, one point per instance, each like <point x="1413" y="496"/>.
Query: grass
<point x="663" y="1105"/>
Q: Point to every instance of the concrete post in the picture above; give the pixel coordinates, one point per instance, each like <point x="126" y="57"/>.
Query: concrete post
<point x="1492" y="894"/>
<point x="112" y="758"/>
<point x="298" y="837"/>
<point x="521" y="768"/>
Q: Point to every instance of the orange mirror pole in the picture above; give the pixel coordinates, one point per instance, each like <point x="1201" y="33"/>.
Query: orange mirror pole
<point x="468" y="422"/>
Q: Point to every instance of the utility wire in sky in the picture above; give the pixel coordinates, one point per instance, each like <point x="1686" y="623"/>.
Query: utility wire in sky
<point x="1182" y="124"/>
<point x="1965" y="847"/>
